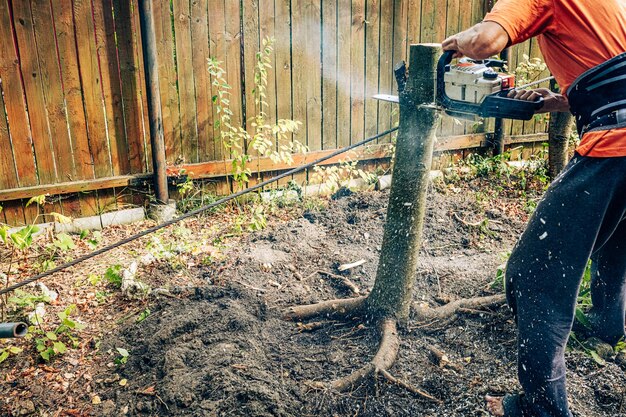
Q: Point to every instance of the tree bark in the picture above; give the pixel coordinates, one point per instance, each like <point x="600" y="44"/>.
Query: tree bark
<point x="393" y="288"/>
<point x="559" y="131"/>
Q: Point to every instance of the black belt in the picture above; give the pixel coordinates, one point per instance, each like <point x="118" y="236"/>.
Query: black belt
<point x="614" y="120"/>
<point x="598" y="97"/>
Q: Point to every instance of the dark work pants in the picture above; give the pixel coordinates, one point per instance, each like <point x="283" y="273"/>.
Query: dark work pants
<point x="580" y="217"/>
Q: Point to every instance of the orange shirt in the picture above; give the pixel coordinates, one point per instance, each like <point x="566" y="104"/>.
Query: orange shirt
<point x="574" y="36"/>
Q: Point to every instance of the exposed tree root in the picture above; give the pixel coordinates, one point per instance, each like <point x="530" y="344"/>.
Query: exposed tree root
<point x="450" y="310"/>
<point x="384" y="358"/>
<point x="341" y="308"/>
<point x="390" y="341"/>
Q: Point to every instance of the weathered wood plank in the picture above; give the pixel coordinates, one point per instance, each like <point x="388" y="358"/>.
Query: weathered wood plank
<point x="110" y="84"/>
<point x="357" y="71"/>
<point x="202" y="81"/>
<point x="232" y="40"/>
<point x="344" y="33"/>
<point x="70" y="187"/>
<point x="329" y="73"/>
<point x="386" y="64"/>
<point x="92" y="92"/>
<point x="372" y="65"/>
<point x="267" y="25"/>
<point x="74" y="106"/>
<point x="414" y="24"/>
<point x="52" y="89"/>
<point x="8" y="174"/>
<point x="313" y="68"/>
<point x="251" y="47"/>
<point x="282" y="48"/>
<point x="37" y="114"/>
<point x="15" y="106"/>
<point x="299" y="71"/>
<point x="170" y="110"/>
<point x="186" y="82"/>
<point x="217" y="48"/>
<point x="130" y="83"/>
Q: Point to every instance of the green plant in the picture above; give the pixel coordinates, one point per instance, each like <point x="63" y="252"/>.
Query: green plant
<point x="113" y="275"/>
<point x="267" y="139"/>
<point x="7" y="351"/>
<point x="54" y="343"/>
<point x="143" y="315"/>
<point x="333" y="177"/>
<point x="583" y="303"/>
<point x="123" y="358"/>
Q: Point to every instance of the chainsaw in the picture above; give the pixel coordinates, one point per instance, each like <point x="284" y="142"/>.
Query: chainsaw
<point x="480" y="88"/>
<point x="473" y="88"/>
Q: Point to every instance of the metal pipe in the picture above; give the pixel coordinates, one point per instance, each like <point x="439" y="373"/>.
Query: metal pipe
<point x="498" y="130"/>
<point x="12" y="330"/>
<point x="148" y="41"/>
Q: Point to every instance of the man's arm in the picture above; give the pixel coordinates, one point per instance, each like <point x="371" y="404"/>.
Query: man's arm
<point x="481" y="41"/>
<point x="486" y="39"/>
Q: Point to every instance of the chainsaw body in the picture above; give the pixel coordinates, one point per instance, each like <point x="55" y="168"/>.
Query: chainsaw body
<point x="475" y="88"/>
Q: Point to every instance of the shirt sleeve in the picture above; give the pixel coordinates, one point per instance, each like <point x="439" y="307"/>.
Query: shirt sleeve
<point x="522" y="19"/>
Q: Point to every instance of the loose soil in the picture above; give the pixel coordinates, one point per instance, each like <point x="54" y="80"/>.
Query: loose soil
<point x="218" y="346"/>
<point x="222" y="349"/>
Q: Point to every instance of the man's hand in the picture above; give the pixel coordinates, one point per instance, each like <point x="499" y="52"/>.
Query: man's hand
<point x="481" y="41"/>
<point x="552" y="102"/>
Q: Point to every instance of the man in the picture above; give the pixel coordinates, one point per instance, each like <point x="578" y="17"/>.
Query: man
<point x="582" y="214"/>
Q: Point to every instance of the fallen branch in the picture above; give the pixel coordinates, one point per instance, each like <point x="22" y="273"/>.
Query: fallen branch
<point x="344" y="280"/>
<point x="442" y="360"/>
<point x="345" y="267"/>
<point x="409" y="387"/>
<point x="466" y="223"/>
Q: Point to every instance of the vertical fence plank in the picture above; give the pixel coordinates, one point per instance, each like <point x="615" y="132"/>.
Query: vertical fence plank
<point x="386" y="65"/>
<point x="251" y="12"/>
<point x="131" y="83"/>
<point x="299" y="69"/>
<point x="357" y="71"/>
<point x="31" y="73"/>
<point x="170" y="110"/>
<point x="217" y="47"/>
<point x="52" y="89"/>
<point x="313" y="68"/>
<point x="15" y="107"/>
<point x="329" y="74"/>
<point x="372" y="65"/>
<point x="63" y="16"/>
<point x="92" y="93"/>
<point x="267" y="24"/>
<point x="344" y="54"/>
<point x="110" y="84"/>
<point x="414" y="24"/>
<point x="200" y="42"/>
<point x="66" y="41"/>
<point x="8" y="175"/>
<point x="232" y="31"/>
<point x="186" y="89"/>
<point x="138" y="59"/>
<point x="282" y="70"/>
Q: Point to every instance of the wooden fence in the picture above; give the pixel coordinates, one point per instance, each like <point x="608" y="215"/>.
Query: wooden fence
<point x="73" y="111"/>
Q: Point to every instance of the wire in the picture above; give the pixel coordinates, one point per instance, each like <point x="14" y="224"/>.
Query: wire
<point x="188" y="215"/>
<point x="535" y="82"/>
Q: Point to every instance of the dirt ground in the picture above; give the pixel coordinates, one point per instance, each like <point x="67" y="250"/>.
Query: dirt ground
<point x="223" y="349"/>
<point x="219" y="346"/>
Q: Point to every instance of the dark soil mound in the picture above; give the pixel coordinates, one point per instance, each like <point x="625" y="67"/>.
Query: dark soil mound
<point x="223" y="350"/>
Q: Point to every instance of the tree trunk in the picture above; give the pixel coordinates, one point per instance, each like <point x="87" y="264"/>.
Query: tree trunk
<point x="559" y="132"/>
<point x="393" y="288"/>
